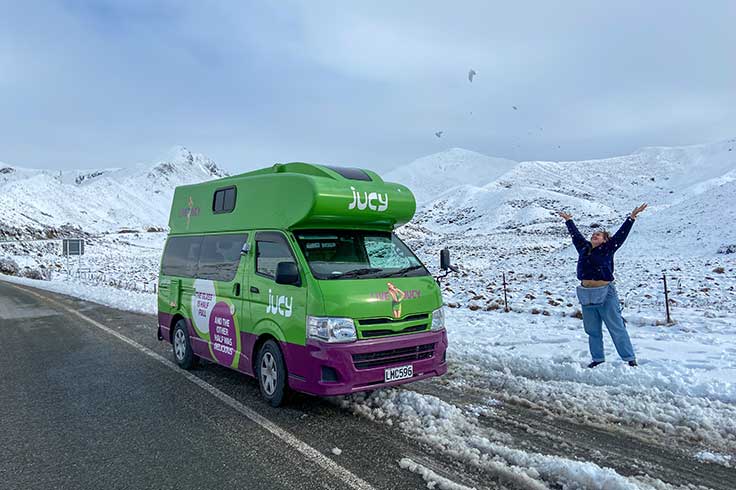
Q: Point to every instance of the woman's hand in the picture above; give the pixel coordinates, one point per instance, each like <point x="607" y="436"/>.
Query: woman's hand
<point x="638" y="210"/>
<point x="564" y="215"/>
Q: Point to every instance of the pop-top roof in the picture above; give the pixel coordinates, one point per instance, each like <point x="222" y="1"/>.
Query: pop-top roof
<point x="294" y="196"/>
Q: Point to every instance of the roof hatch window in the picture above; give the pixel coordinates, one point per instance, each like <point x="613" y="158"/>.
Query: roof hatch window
<point x="351" y="173"/>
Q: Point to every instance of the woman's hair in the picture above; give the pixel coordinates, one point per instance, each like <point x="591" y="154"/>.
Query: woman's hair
<point x="606" y="235"/>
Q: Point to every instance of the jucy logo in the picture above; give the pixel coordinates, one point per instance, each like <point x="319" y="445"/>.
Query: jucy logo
<point x="189" y="211"/>
<point x="396" y="296"/>
<point x="279" y="305"/>
<point x="369" y="201"/>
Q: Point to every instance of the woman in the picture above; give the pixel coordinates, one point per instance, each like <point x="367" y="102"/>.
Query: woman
<point x="397" y="295"/>
<point x="597" y="293"/>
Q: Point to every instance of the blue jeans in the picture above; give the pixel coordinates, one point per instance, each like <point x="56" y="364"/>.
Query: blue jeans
<point x="610" y="313"/>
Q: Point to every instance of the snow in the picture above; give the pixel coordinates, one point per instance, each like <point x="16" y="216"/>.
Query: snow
<point x="434" y="174"/>
<point x="433" y="479"/>
<point x="447" y="428"/>
<point x="336" y="451"/>
<point x="105" y="295"/>
<point x="542" y="361"/>
<point x="98" y="201"/>
<point x="710" y="457"/>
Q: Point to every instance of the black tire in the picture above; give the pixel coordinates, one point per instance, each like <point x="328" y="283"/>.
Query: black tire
<point x="271" y="373"/>
<point x="183" y="353"/>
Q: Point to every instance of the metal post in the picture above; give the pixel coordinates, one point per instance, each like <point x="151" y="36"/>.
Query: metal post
<point x="505" y="298"/>
<point x="666" y="298"/>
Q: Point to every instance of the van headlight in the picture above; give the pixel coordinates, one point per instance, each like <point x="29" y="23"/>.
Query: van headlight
<point x="330" y="329"/>
<point x="438" y="319"/>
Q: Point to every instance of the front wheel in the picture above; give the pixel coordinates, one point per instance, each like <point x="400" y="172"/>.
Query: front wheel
<point x="183" y="353"/>
<point x="271" y="371"/>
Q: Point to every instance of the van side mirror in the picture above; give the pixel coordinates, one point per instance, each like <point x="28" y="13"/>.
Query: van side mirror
<point x="445" y="260"/>
<point x="287" y="273"/>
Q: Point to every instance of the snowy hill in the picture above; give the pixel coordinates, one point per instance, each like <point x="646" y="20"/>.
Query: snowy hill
<point x="690" y="191"/>
<point x="42" y="202"/>
<point x="432" y="175"/>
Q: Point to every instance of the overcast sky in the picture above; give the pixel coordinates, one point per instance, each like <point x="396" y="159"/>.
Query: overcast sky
<point x="112" y="83"/>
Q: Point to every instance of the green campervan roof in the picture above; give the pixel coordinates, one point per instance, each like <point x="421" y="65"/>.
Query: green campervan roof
<point x="292" y="196"/>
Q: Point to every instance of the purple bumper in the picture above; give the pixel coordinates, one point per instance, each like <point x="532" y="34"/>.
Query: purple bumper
<point x="325" y="369"/>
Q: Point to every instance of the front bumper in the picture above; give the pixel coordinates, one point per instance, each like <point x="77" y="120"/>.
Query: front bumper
<point x="325" y="369"/>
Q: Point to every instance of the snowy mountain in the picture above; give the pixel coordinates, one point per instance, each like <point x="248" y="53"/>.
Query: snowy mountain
<point x="432" y="175"/>
<point x="459" y="192"/>
<point x="48" y="203"/>
<point x="690" y="191"/>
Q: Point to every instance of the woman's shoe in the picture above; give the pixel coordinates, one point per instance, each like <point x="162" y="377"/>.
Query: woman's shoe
<point x="633" y="363"/>
<point x="595" y="363"/>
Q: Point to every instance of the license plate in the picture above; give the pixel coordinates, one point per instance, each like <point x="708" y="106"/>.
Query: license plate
<point x="396" y="373"/>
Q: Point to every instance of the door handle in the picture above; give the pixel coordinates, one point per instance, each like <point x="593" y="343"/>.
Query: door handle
<point x="254" y="289"/>
<point x="236" y="289"/>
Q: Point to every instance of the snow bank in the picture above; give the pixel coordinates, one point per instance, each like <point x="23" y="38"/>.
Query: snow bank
<point x="104" y="295"/>
<point x="448" y="429"/>
<point x="684" y="386"/>
<point x="709" y="457"/>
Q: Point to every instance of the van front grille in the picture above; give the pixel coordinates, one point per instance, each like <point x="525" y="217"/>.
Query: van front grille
<point x="379" y="321"/>
<point x="381" y="333"/>
<point x="393" y="326"/>
<point x="393" y="356"/>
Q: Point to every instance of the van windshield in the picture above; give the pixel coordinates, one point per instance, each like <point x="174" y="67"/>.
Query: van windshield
<point x="352" y="254"/>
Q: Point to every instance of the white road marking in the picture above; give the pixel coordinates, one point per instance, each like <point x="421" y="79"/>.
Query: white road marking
<point x="334" y="469"/>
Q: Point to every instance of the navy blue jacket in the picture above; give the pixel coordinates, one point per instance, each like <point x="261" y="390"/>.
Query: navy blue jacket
<point x="596" y="263"/>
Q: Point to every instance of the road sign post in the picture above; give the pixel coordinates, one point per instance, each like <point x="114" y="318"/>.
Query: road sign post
<point x="72" y="246"/>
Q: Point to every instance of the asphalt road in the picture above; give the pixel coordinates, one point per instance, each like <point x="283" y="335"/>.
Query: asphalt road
<point x="82" y="408"/>
<point x="90" y="399"/>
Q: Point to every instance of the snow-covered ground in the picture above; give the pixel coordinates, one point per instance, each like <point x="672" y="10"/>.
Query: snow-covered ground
<point x="501" y="220"/>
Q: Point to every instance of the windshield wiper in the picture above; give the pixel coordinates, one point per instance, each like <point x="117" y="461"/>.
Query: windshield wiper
<point x="403" y="271"/>
<point x="357" y="272"/>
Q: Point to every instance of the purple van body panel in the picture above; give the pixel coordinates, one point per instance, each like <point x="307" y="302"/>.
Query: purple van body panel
<point x="304" y="362"/>
<point x="164" y="326"/>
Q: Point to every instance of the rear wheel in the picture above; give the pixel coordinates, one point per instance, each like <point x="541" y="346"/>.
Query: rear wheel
<point x="183" y="353"/>
<point x="271" y="371"/>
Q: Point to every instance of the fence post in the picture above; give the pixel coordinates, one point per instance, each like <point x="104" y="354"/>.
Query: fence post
<point x="505" y="298"/>
<point x="666" y="299"/>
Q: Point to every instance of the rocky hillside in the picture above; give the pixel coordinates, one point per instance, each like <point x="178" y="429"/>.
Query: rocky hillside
<point x="691" y="191"/>
<point x="45" y="204"/>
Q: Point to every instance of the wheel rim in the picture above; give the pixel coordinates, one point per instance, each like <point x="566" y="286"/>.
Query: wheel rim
<point x="269" y="375"/>
<point x="180" y="344"/>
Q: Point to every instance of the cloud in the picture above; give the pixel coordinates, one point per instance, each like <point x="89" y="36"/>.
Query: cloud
<point x="113" y="82"/>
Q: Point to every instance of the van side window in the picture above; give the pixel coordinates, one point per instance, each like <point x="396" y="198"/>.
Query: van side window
<point x="271" y="248"/>
<point x="220" y="256"/>
<point x="181" y="256"/>
<point x="224" y="200"/>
